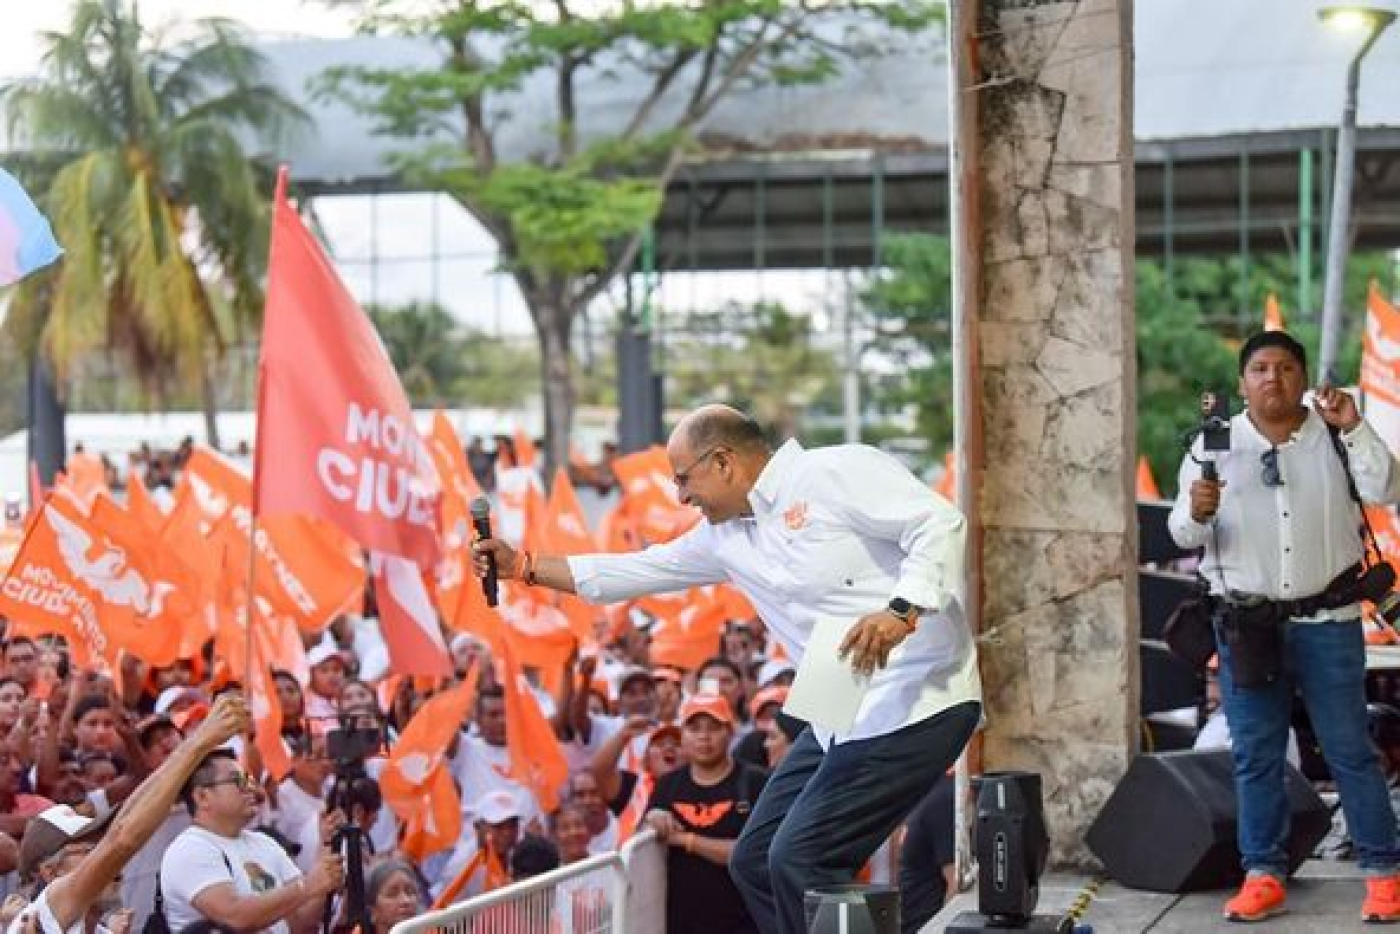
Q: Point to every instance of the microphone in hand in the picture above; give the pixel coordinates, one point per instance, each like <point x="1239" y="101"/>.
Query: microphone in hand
<point x="481" y="524"/>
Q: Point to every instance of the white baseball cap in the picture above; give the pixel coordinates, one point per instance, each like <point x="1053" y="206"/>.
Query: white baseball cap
<point x="497" y="807"/>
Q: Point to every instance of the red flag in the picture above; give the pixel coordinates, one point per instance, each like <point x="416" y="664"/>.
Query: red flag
<point x="336" y="436"/>
<point x="408" y="618"/>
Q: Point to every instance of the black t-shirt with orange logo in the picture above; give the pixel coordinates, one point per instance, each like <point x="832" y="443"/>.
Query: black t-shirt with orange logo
<point x="700" y="896"/>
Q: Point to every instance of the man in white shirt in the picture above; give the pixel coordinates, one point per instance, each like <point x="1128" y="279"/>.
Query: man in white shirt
<point x="481" y="763"/>
<point x="78" y="875"/>
<point x="843" y="532"/>
<point x="1279" y="529"/>
<point x="220" y="871"/>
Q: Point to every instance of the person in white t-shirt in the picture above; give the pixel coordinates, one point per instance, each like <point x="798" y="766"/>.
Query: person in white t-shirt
<point x="221" y="871"/>
<point x="77" y="874"/>
<point x="481" y="763"/>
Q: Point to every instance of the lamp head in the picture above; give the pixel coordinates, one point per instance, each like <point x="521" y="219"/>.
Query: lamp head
<point x="1369" y="17"/>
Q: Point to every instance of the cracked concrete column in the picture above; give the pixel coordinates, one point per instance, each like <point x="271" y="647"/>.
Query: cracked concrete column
<point x="1043" y="219"/>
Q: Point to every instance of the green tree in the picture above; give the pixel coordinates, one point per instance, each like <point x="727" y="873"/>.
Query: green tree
<point x="569" y="219"/>
<point x="140" y="145"/>
<point x="761" y="358"/>
<point x="909" y="305"/>
<point x="1189" y="330"/>
<point x="443" y="363"/>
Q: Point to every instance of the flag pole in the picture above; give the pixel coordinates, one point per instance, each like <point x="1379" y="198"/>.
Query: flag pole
<point x="279" y="196"/>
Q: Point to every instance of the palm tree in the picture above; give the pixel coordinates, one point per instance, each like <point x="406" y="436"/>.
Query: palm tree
<point x="140" y="142"/>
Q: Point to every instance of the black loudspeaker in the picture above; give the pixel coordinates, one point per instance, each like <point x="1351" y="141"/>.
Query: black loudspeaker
<point x="1169" y="826"/>
<point x="1168" y="683"/>
<point x="1159" y="592"/>
<point x="1155" y="544"/>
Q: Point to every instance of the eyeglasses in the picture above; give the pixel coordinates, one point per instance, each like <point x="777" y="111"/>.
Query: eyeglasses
<point x="242" y="780"/>
<point x="1269" y="473"/>
<point x="682" y="478"/>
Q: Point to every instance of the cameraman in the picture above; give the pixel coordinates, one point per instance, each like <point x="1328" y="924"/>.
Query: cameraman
<point x="1282" y="554"/>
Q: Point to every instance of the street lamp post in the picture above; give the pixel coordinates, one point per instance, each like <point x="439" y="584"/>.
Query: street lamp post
<point x="1373" y="19"/>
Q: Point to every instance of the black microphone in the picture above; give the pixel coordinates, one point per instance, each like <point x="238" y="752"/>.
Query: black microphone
<point x="481" y="523"/>
<point x="1208" y="471"/>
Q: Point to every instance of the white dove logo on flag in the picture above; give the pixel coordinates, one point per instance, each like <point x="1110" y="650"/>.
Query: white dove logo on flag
<point x="416" y="767"/>
<point x="108" y="573"/>
<point x="1386" y="349"/>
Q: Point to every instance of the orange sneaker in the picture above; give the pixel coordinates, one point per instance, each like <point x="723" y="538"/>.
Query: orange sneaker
<point x="1382" y="904"/>
<point x="1262" y="896"/>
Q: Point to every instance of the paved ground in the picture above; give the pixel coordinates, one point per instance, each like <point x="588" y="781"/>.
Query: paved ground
<point x="1324" y="897"/>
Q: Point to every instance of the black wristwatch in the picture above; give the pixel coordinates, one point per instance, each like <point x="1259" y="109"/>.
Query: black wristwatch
<point x="906" y="612"/>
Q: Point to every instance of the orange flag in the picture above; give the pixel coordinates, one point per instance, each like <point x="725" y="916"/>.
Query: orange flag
<point x="304" y="567"/>
<point x="408" y="618"/>
<point x="435" y="827"/>
<point x="87" y="476"/>
<point x="417" y="768"/>
<point x="1146" y="483"/>
<point x="525" y="453"/>
<point x="94" y="585"/>
<point x="422" y="746"/>
<point x="1273" y="315"/>
<point x="266" y="708"/>
<point x="336" y="435"/>
<point x="142" y="507"/>
<point x="536" y="758"/>
<point x="1380" y="367"/>
<point x="565" y="530"/>
<point x="948" y="483"/>
<point x="653" y="505"/>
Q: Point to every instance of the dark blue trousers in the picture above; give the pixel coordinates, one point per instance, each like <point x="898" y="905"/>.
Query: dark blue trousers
<point x="822" y="814"/>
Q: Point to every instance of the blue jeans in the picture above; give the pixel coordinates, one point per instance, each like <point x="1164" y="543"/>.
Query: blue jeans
<point x="822" y="814"/>
<point x="1326" y="662"/>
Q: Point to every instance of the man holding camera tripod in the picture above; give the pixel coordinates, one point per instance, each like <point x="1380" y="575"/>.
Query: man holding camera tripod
<point x="1279" y="525"/>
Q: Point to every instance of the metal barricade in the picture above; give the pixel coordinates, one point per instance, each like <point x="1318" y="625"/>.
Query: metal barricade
<point x="623" y="892"/>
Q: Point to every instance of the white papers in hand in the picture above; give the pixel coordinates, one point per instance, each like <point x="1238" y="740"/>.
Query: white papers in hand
<point x="827" y="692"/>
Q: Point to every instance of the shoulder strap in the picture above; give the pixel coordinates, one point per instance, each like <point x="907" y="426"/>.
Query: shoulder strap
<point x="1371" y="551"/>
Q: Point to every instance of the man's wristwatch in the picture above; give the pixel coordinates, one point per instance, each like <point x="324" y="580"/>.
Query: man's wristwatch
<point x="906" y="612"/>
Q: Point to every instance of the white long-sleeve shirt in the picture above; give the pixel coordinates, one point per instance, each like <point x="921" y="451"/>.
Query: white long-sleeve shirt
<point x="1285" y="542"/>
<point x="835" y="532"/>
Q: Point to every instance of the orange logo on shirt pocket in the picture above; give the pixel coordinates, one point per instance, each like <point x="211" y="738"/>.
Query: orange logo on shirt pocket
<point x="796" y="516"/>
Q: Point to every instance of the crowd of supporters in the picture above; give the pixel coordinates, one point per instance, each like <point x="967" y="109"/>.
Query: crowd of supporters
<point x="649" y="742"/>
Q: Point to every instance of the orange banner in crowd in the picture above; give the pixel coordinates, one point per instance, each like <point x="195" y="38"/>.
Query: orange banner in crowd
<point x="1146" y="483"/>
<point x="142" y="507"/>
<point x="1273" y="315"/>
<point x="305" y="568"/>
<point x="336" y="435"/>
<point x="536" y="759"/>
<point x="86" y="476"/>
<point x="525" y="453"/>
<point x="417" y="768"/>
<point x="93" y="584"/>
<point x="408" y="619"/>
<point x="653" y="507"/>
<point x="1380" y="354"/>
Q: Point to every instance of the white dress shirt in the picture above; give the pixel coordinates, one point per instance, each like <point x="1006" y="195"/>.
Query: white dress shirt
<point x="835" y="532"/>
<point x="1284" y="542"/>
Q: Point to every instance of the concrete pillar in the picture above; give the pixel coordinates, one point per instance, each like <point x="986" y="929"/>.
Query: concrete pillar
<point x="1042" y="174"/>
